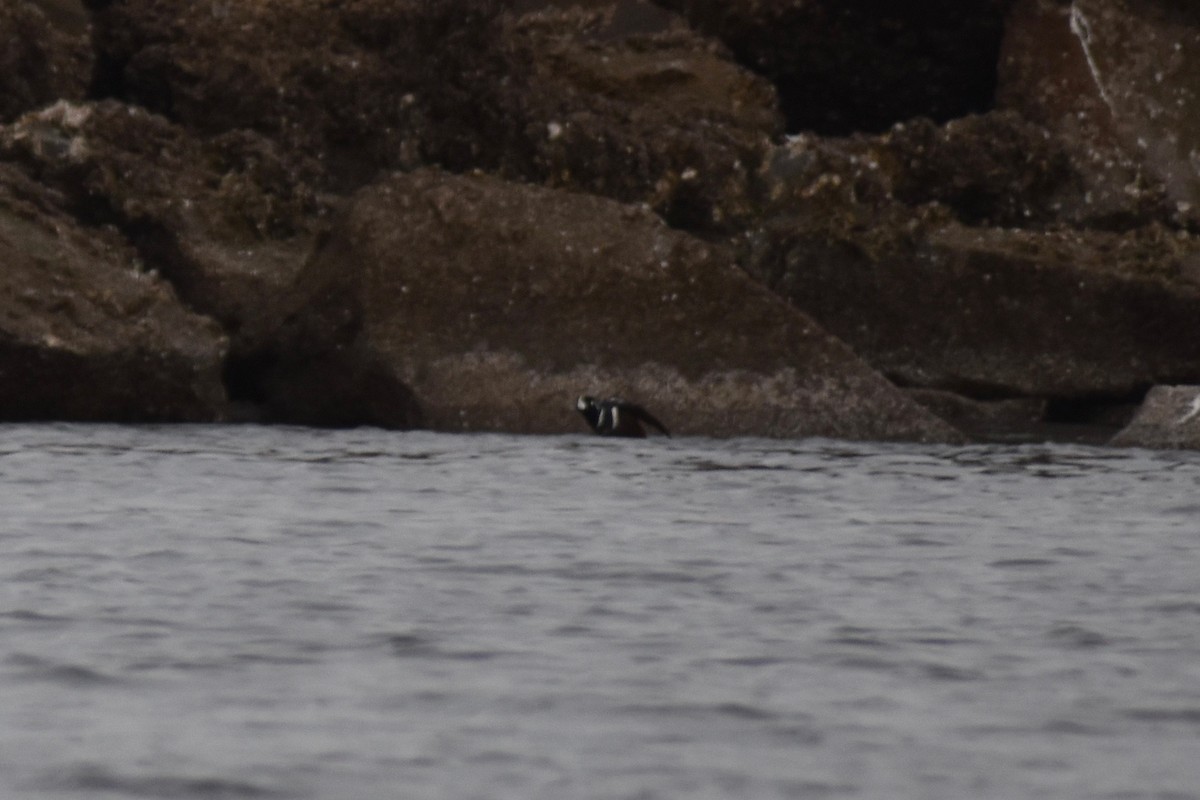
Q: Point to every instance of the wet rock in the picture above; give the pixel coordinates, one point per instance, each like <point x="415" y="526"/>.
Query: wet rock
<point x="228" y="221"/>
<point x="619" y="99"/>
<point x="45" y="54"/>
<point x="85" y="334"/>
<point x="992" y="312"/>
<point x="1007" y="419"/>
<point x="1118" y="82"/>
<point x="1169" y="418"/>
<point x="498" y="303"/>
<point x="862" y="65"/>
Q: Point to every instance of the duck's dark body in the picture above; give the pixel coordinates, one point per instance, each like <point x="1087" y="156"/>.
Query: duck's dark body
<point x="616" y="417"/>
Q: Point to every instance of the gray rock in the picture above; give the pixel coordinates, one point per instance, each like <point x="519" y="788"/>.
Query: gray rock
<point x="1169" y="418"/>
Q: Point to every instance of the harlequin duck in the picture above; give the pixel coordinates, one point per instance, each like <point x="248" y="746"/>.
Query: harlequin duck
<point x="616" y="417"/>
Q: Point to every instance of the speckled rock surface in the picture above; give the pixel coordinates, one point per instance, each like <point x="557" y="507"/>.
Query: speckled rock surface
<point x="45" y="54"/>
<point x="1169" y="418"/>
<point x="498" y="304"/>
<point x="85" y="334"/>
<point x="995" y="312"/>
<point x="640" y="109"/>
<point x="1119" y="82"/>
<point x="226" y="220"/>
<point x="938" y="254"/>
<point x="613" y="100"/>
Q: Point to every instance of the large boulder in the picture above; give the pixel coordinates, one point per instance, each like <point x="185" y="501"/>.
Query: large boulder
<point x="619" y="99"/>
<point x="85" y="333"/>
<point x="228" y="221"/>
<point x="862" y="65"/>
<point x="498" y="303"/>
<point x="1118" y="81"/>
<point x="45" y="54"/>
<point x="906" y="246"/>
<point x="1169" y="419"/>
<point x="990" y="311"/>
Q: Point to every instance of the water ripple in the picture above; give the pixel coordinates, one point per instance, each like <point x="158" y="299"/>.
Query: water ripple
<point x="35" y="668"/>
<point x="193" y="612"/>
<point x="97" y="778"/>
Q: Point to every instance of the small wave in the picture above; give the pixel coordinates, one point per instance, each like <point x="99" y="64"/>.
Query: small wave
<point x="1184" y="607"/>
<point x="574" y="630"/>
<point x="949" y="672"/>
<point x="496" y="757"/>
<point x="732" y="710"/>
<point x="96" y="778"/>
<point x="817" y="789"/>
<point x="1075" y="552"/>
<point x="408" y="645"/>
<point x="866" y="663"/>
<point x="1074" y="728"/>
<point x="160" y="553"/>
<point x="753" y="661"/>
<point x="1022" y="563"/>
<point x="857" y="638"/>
<point x="1190" y="716"/>
<point x="273" y="660"/>
<point x="1076" y="636"/>
<point x="42" y="574"/>
<point x="943" y="641"/>
<point x="922" y="541"/>
<point x="36" y="668"/>
<point x="26" y="615"/>
<point x="708" y="465"/>
<point x="417" y="645"/>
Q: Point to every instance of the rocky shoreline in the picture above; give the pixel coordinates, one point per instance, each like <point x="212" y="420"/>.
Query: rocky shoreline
<point x="972" y="223"/>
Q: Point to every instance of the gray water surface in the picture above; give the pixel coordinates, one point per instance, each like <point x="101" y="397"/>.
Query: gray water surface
<point x="246" y="612"/>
